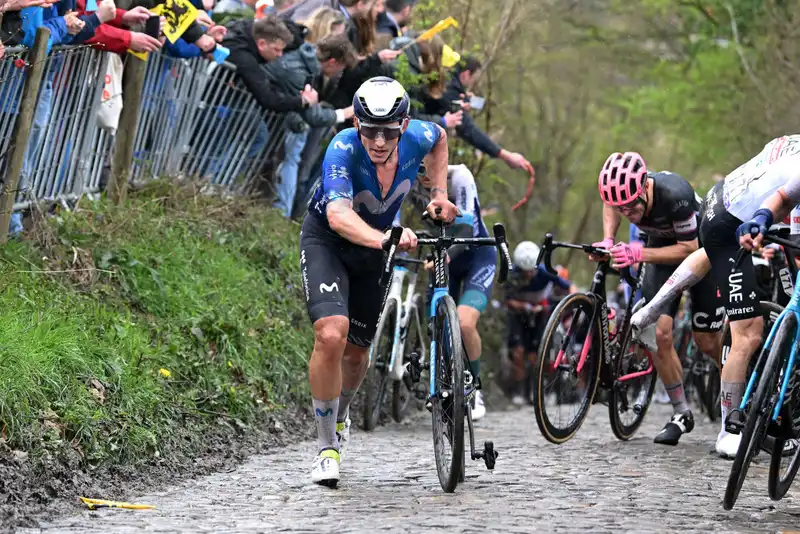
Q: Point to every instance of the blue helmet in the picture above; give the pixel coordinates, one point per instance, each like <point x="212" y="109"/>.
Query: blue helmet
<point x="381" y="100"/>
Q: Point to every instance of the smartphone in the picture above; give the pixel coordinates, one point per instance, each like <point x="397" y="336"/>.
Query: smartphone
<point x="152" y="27"/>
<point x="477" y="102"/>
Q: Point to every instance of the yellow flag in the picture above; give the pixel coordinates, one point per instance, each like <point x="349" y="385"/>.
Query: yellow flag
<point x="140" y="55"/>
<point x="438" y="27"/>
<point x="449" y="57"/>
<point x="94" y="504"/>
<point x="179" y="14"/>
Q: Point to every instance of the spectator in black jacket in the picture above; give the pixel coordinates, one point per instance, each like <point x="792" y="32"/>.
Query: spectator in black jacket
<point x="396" y="17"/>
<point x="253" y="43"/>
<point x="457" y="90"/>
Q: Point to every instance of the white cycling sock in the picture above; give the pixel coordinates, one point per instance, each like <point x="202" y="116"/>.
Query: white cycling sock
<point x="682" y="279"/>
<point x="325" y="418"/>
<point x="730" y="398"/>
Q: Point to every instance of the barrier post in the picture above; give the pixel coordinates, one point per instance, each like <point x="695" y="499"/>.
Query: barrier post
<point x="22" y="128"/>
<point x="122" y="163"/>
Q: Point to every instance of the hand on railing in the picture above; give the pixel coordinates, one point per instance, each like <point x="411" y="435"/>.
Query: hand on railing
<point x="73" y="23"/>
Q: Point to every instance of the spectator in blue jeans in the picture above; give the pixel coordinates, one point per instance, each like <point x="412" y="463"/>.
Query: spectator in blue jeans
<point x="315" y="66"/>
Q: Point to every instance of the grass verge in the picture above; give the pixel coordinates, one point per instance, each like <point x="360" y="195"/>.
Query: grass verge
<point x="127" y="330"/>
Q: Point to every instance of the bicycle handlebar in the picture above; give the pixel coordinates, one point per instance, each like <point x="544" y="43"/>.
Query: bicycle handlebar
<point x="445" y="242"/>
<point x="771" y="237"/>
<point x="546" y="252"/>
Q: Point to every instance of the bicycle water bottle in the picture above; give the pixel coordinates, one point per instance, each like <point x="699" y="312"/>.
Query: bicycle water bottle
<point x="612" y="324"/>
<point x="794" y="223"/>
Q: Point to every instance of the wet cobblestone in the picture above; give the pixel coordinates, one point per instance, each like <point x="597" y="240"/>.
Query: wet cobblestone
<point x="592" y="483"/>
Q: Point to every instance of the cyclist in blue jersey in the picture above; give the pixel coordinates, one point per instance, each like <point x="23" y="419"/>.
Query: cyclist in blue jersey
<point x="366" y="173"/>
<point x="471" y="269"/>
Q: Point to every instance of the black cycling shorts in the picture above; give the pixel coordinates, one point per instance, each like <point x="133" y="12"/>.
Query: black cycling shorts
<point x="525" y="330"/>
<point x="718" y="236"/>
<point x="331" y="266"/>
<point x="708" y="313"/>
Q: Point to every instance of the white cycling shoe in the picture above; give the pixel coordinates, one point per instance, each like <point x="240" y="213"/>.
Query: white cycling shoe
<point x="478" y="408"/>
<point x="728" y="445"/>
<point x="325" y="468"/>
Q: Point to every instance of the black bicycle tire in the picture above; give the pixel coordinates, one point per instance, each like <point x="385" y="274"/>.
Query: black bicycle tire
<point x="399" y="409"/>
<point x="777" y="484"/>
<point x="621" y="431"/>
<point x="371" y="409"/>
<point x="712" y="392"/>
<point x="449" y="474"/>
<point x="759" y="412"/>
<point x="550" y="433"/>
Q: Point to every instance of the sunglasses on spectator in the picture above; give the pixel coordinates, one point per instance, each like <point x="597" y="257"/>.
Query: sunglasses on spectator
<point x="372" y="132"/>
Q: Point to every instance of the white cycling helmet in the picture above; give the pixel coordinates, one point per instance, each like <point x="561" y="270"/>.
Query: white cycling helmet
<point x="525" y="255"/>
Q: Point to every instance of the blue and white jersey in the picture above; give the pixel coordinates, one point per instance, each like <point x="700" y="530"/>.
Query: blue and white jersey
<point x="348" y="172"/>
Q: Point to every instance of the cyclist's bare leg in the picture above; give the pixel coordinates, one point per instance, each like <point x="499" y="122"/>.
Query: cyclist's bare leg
<point x="325" y="376"/>
<point x="709" y="343"/>
<point x="668" y="364"/>
<point x="468" y="318"/>
<point x="745" y="339"/>
<point x="693" y="269"/>
<point x="354" y="368"/>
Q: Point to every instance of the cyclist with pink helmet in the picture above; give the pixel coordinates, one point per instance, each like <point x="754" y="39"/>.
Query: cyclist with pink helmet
<point x="666" y="209"/>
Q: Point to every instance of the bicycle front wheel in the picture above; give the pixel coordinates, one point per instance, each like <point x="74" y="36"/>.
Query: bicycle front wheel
<point x="559" y="383"/>
<point x="630" y="398"/>
<point x="760" y="412"/>
<point x="448" y="401"/>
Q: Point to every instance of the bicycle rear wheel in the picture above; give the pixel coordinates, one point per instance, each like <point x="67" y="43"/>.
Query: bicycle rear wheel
<point x="401" y="395"/>
<point x="564" y="379"/>
<point x="377" y="377"/>
<point x="448" y="402"/>
<point x="760" y="411"/>
<point x="780" y="480"/>
<point x="630" y="399"/>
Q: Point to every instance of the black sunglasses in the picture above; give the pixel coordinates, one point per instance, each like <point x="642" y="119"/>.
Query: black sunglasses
<point x="371" y="132"/>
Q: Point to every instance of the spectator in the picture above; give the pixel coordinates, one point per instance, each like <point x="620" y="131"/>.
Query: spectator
<point x="459" y="88"/>
<point x="363" y="28"/>
<point x="425" y="57"/>
<point x="304" y="8"/>
<point x="254" y="43"/>
<point x="324" y="21"/>
<point x="330" y="57"/>
<point x="396" y="17"/>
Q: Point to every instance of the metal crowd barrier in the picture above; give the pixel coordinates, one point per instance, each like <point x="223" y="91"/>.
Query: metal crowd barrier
<point x="194" y="121"/>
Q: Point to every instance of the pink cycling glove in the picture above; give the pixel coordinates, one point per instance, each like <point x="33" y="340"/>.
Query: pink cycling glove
<point x="626" y="254"/>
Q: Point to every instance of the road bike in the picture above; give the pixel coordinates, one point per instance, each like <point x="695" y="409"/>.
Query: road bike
<point x="398" y="336"/>
<point x="770" y="406"/>
<point x="451" y="384"/>
<point x="583" y="348"/>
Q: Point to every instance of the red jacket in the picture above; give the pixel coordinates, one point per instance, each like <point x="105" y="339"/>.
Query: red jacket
<point x="111" y="36"/>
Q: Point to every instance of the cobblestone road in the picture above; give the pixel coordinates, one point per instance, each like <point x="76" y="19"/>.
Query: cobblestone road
<point x="592" y="483"/>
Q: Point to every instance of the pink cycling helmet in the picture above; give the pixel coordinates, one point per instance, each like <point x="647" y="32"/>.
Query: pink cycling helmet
<point x="622" y="178"/>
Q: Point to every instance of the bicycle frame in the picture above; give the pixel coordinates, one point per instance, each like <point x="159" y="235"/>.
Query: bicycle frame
<point x="405" y="306"/>
<point x="609" y="349"/>
<point x="794" y="308"/>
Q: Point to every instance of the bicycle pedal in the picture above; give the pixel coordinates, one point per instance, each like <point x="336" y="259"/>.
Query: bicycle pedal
<point x="734" y="423"/>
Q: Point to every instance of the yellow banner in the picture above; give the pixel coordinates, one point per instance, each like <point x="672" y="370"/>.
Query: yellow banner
<point x="179" y="14"/>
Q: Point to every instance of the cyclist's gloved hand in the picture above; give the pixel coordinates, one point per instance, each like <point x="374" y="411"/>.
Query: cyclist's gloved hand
<point x="626" y="254"/>
<point x="606" y="244"/>
<point x="761" y="221"/>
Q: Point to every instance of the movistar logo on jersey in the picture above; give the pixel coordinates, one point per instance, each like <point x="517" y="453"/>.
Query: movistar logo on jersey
<point x="374" y="205"/>
<point x="428" y="131"/>
<point x="338" y="145"/>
